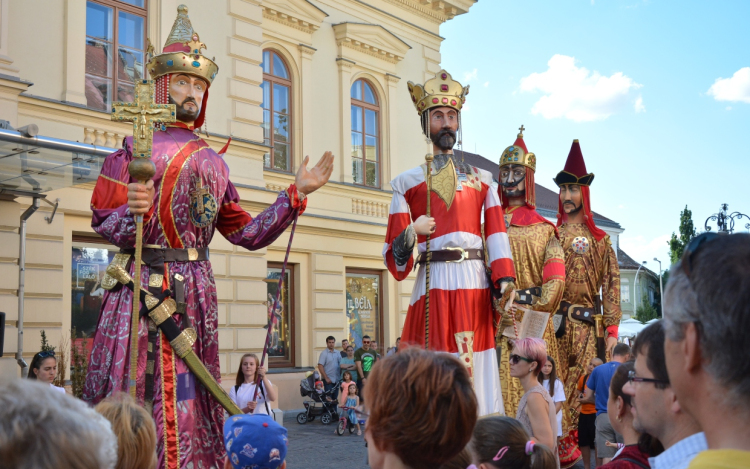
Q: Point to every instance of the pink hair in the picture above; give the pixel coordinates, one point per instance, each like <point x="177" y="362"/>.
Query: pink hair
<point x="532" y="348"/>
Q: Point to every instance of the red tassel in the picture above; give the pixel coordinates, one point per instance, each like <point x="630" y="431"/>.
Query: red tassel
<point x="224" y="149"/>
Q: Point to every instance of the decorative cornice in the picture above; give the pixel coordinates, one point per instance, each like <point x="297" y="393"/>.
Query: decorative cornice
<point x="437" y="11"/>
<point x="370" y="39"/>
<point x="345" y="63"/>
<point x="302" y="15"/>
<point x="288" y="20"/>
<point x="390" y="78"/>
<point x="307" y="50"/>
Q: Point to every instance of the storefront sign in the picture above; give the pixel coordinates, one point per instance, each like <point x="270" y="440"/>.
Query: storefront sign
<point x="363" y="306"/>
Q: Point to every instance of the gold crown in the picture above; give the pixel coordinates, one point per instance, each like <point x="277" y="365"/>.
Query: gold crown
<point x="516" y="154"/>
<point x="440" y="91"/>
<point x="191" y="61"/>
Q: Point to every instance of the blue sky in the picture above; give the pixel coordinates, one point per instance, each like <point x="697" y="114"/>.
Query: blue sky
<point x="636" y="82"/>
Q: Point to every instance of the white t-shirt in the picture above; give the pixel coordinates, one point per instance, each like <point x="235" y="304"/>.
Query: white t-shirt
<point x="558" y="397"/>
<point x="57" y="388"/>
<point x="245" y="394"/>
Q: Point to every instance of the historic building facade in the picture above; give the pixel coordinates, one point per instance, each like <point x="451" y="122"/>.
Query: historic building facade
<point x="296" y="78"/>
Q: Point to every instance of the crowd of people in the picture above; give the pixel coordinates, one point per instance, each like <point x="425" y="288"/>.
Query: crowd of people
<point x="678" y="399"/>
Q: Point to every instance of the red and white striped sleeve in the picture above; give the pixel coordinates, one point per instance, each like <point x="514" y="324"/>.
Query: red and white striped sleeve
<point x="496" y="235"/>
<point x="398" y="220"/>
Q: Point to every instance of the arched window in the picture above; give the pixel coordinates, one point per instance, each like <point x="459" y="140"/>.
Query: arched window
<point x="365" y="135"/>
<point x="277" y="100"/>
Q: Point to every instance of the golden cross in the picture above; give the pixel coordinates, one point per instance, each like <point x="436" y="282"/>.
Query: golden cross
<point x="143" y="113"/>
<point x="521" y="129"/>
<point x="197" y="195"/>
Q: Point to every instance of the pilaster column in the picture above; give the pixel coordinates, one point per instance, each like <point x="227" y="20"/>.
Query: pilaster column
<point x="306" y="113"/>
<point x="345" y="84"/>
<point x="6" y="63"/>
<point x="392" y="149"/>
<point x="74" y="52"/>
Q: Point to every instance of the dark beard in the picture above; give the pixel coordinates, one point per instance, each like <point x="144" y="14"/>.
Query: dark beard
<point x="515" y="193"/>
<point x="576" y="210"/>
<point x="183" y="115"/>
<point x="444" y="139"/>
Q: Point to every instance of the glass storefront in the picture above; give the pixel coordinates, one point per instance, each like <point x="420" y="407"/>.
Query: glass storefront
<point x="363" y="305"/>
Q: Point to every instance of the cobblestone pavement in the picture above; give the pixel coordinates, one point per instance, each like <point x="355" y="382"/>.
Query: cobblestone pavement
<point x="314" y="445"/>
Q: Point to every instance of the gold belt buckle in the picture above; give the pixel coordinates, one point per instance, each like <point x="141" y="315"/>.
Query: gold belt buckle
<point x="570" y="314"/>
<point x="192" y="254"/>
<point x="464" y="254"/>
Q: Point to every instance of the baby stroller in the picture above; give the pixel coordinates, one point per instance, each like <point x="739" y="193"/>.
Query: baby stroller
<point x="320" y="404"/>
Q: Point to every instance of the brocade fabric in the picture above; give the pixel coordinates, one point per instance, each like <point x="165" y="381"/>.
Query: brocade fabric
<point x="189" y="422"/>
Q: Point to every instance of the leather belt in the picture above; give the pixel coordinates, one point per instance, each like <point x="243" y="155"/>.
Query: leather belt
<point x="526" y="297"/>
<point x="577" y="312"/>
<point x="153" y="255"/>
<point x="452" y="255"/>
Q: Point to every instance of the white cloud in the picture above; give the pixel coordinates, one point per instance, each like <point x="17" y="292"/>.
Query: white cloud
<point x="641" y="248"/>
<point x="468" y="76"/>
<point x="577" y="94"/>
<point x="639" y="107"/>
<point x="486" y="84"/>
<point x="729" y="108"/>
<point x="735" y="89"/>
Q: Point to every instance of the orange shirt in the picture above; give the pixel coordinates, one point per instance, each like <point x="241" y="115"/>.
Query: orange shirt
<point x="585" y="408"/>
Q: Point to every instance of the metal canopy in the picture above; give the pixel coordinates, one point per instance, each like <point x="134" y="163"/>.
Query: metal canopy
<point x="30" y="166"/>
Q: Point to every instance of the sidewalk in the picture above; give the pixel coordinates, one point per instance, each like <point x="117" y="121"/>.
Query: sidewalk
<point x="316" y="445"/>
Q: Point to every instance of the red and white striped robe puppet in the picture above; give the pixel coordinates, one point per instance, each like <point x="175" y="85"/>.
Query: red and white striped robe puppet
<point x="461" y="315"/>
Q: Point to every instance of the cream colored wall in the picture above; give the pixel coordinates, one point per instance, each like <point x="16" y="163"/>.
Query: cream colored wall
<point x="344" y="225"/>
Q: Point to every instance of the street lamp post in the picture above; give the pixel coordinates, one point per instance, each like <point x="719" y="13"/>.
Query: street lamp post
<point x="724" y="221"/>
<point x="635" y="289"/>
<point x="661" y="289"/>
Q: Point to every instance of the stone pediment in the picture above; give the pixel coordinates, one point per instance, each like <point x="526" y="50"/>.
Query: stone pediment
<point x="371" y="39"/>
<point x="297" y="14"/>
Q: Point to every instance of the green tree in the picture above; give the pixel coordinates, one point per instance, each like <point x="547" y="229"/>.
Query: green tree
<point x="687" y="232"/>
<point x="46" y="347"/>
<point x="646" y="311"/>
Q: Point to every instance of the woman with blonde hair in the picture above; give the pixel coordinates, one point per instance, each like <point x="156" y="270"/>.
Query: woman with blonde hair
<point x="134" y="429"/>
<point x="536" y="411"/>
<point x="243" y="392"/>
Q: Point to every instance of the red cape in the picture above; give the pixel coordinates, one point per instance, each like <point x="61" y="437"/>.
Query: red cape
<point x="526" y="215"/>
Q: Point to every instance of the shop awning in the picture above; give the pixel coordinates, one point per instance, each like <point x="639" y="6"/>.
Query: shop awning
<point x="32" y="165"/>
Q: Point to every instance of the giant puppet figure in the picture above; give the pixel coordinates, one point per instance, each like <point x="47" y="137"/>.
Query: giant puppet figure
<point x="459" y="318"/>
<point x="590" y="266"/>
<point x="537" y="255"/>
<point x="188" y="199"/>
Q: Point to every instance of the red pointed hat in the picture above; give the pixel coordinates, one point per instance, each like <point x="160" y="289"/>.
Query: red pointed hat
<point x="575" y="169"/>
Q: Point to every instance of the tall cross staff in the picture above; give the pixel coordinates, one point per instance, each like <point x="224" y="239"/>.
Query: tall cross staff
<point x="143" y="113"/>
<point x="428" y="255"/>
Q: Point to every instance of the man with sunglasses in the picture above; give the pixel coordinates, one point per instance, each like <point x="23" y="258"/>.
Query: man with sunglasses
<point x="655" y="407"/>
<point x="589" y="324"/>
<point x="364" y="358"/>
<point x="706" y="321"/>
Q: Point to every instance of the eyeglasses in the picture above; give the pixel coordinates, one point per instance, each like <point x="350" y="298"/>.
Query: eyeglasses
<point x="692" y="248"/>
<point x="636" y="379"/>
<point x="515" y="358"/>
<point x="47" y="354"/>
<point x="366" y="342"/>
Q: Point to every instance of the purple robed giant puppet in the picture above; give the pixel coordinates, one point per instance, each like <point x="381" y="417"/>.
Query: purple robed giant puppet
<point x="189" y="198"/>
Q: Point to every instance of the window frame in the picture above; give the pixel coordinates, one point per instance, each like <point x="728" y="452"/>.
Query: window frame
<point x="273" y="79"/>
<point x="279" y="362"/>
<point x="376" y="108"/>
<point x="118" y="6"/>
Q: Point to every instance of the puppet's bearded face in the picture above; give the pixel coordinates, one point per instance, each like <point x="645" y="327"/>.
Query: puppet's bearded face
<point x="513" y="180"/>
<point x="443" y="127"/>
<point x="186" y="92"/>
<point x="571" y="198"/>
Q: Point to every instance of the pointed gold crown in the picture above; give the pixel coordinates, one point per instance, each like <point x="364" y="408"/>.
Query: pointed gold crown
<point x="182" y="52"/>
<point x="440" y="91"/>
<point x="518" y="154"/>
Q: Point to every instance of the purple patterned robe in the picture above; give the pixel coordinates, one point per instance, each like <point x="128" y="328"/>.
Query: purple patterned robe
<point x="188" y="420"/>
